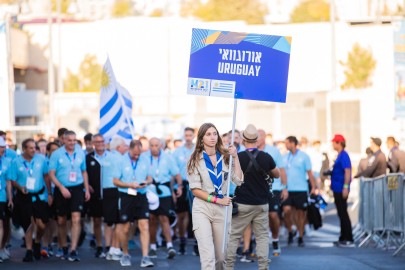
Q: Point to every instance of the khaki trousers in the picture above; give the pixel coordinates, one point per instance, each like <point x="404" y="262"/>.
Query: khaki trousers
<point x="208" y="226"/>
<point x="258" y="216"/>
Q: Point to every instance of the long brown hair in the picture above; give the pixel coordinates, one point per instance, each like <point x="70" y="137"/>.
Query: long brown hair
<point x="200" y="147"/>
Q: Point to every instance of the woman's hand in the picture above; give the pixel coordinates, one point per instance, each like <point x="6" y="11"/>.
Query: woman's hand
<point x="232" y="151"/>
<point x="225" y="201"/>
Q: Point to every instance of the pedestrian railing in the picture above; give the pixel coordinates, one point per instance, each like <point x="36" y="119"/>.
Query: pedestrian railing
<point x="382" y="212"/>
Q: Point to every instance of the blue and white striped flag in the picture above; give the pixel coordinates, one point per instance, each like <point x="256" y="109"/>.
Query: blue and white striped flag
<point x="115" y="107"/>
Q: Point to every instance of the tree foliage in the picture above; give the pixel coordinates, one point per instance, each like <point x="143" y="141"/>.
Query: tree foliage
<point x="251" y="11"/>
<point x="311" y="11"/>
<point x="359" y="67"/>
<point x="88" y="79"/>
<point x="122" y="8"/>
<point x="64" y="6"/>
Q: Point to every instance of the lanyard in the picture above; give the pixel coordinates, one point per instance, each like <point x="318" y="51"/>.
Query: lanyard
<point x="133" y="163"/>
<point x="29" y="171"/>
<point x="72" y="161"/>
<point x="158" y="160"/>
<point x="291" y="158"/>
<point x="251" y="149"/>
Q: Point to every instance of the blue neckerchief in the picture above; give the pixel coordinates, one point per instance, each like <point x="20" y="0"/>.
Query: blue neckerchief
<point x="215" y="178"/>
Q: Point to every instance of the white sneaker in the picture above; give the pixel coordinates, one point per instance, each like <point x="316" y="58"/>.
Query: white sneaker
<point x="125" y="260"/>
<point x="113" y="256"/>
<point x="146" y="262"/>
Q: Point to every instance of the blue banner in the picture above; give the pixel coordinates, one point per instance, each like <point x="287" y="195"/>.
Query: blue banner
<point x="239" y="65"/>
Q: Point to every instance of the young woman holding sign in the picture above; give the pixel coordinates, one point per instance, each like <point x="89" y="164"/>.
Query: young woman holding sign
<point x="208" y="170"/>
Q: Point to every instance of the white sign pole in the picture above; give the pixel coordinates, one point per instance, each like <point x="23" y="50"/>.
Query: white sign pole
<point x="224" y="238"/>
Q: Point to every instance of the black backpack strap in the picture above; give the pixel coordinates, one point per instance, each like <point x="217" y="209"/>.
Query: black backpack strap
<point x="252" y="158"/>
<point x="254" y="162"/>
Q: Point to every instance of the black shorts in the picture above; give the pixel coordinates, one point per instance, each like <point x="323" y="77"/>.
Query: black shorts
<point x="297" y="199"/>
<point x="275" y="201"/>
<point x="110" y="206"/>
<point x="165" y="205"/>
<point x="94" y="207"/>
<point x="41" y="210"/>
<point x="126" y="207"/>
<point x="22" y="211"/>
<point x="3" y="206"/>
<point x="25" y="209"/>
<point x="182" y="204"/>
<point x="75" y="203"/>
<point x="142" y="207"/>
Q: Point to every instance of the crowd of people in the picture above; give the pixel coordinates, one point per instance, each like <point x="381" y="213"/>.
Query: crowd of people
<point x="50" y="188"/>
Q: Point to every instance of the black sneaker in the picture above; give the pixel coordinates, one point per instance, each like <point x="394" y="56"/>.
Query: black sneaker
<point x="246" y="257"/>
<point x="28" y="256"/>
<point x="301" y="242"/>
<point x="37" y="251"/>
<point x="65" y="255"/>
<point x="290" y="238"/>
<point x="196" y="252"/>
<point x="182" y="249"/>
<point x="93" y="243"/>
<point x="171" y="252"/>
<point x="346" y="244"/>
<point x="239" y="252"/>
<point x="99" y="253"/>
<point x="73" y="256"/>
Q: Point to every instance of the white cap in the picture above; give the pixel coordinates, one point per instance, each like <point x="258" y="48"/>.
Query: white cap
<point x="2" y="142"/>
<point x="153" y="200"/>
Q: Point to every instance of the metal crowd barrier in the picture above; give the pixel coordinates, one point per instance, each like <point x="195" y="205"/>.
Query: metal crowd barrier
<point x="382" y="212"/>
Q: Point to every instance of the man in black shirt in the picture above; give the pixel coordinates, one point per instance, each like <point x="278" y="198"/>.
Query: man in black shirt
<point x="252" y="198"/>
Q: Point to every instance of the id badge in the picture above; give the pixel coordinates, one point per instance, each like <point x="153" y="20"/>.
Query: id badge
<point x="30" y="183"/>
<point x="72" y="177"/>
<point x="132" y="191"/>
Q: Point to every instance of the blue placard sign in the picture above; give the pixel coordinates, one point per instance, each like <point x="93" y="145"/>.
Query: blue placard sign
<point x="239" y="65"/>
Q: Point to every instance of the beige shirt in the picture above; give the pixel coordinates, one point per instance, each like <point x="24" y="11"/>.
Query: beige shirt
<point x="200" y="178"/>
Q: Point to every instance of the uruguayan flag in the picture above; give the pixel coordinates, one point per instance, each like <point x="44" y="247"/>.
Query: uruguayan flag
<point x="115" y="107"/>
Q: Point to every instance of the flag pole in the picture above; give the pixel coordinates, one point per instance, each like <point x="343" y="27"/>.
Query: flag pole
<point x="224" y="238"/>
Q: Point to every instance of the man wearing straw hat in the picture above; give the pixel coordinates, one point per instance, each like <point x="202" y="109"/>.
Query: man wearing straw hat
<point x="252" y="199"/>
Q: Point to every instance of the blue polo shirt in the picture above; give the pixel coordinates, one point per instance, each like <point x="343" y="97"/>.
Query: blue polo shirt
<point x="296" y="167"/>
<point x="5" y="163"/>
<point x="10" y="153"/>
<point x="131" y="171"/>
<point x="63" y="164"/>
<point x="162" y="169"/>
<point x="342" y="162"/>
<point x="182" y="155"/>
<point x="108" y="162"/>
<point x="274" y="152"/>
<point x="21" y="170"/>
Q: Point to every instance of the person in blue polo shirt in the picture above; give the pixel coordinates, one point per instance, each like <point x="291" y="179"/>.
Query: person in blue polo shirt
<point x="132" y="179"/>
<point x="162" y="168"/>
<point x="183" y="205"/>
<point x="298" y="169"/>
<point x="99" y="165"/>
<point x="111" y="209"/>
<point x="4" y="168"/>
<point x="10" y="153"/>
<point x="280" y="192"/>
<point x="29" y="176"/>
<point x="67" y="170"/>
<point x="340" y="185"/>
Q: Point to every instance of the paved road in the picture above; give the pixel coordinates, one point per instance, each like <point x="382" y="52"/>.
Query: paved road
<point x="319" y="253"/>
